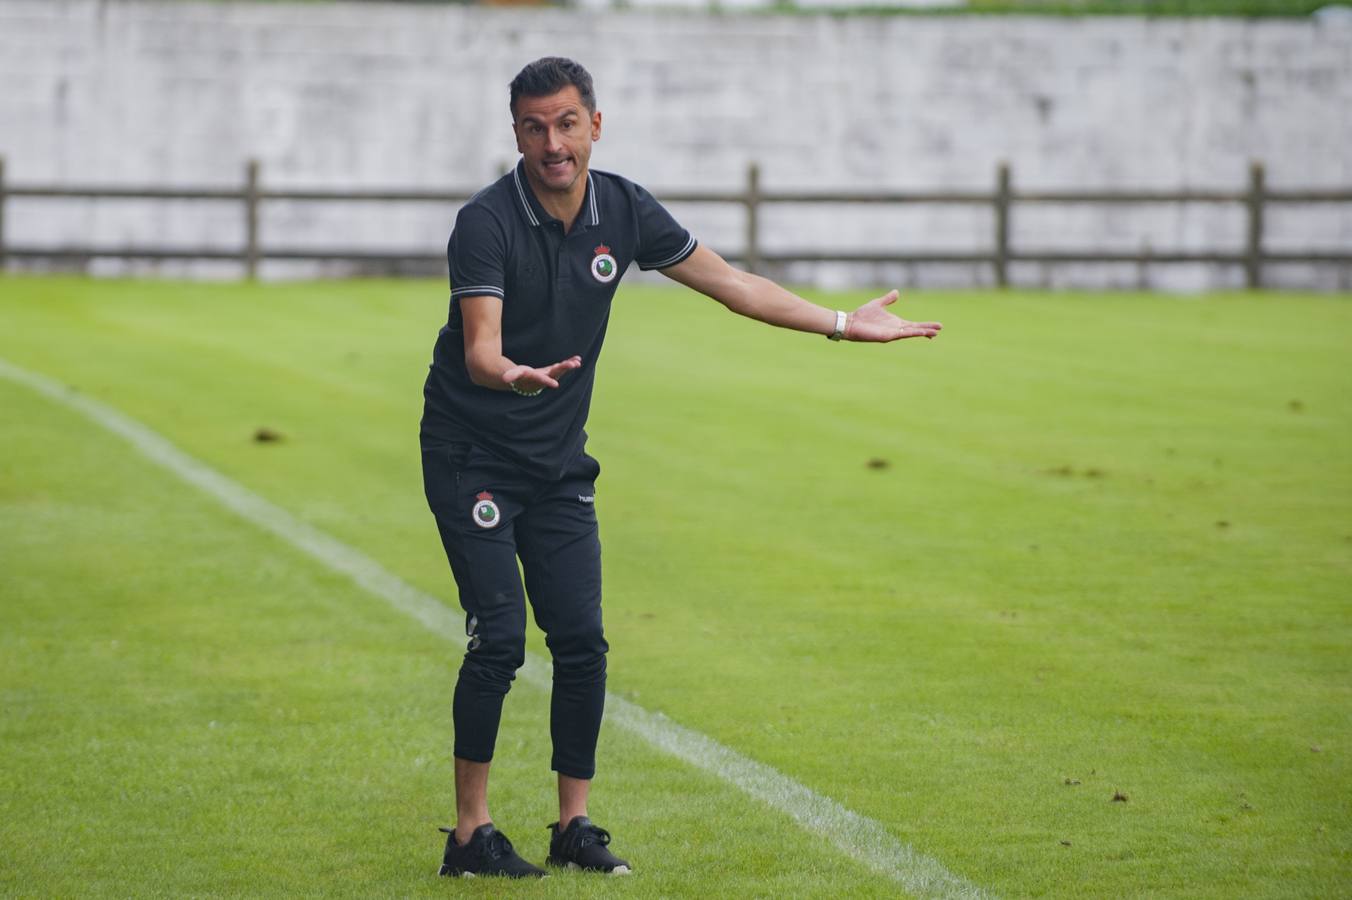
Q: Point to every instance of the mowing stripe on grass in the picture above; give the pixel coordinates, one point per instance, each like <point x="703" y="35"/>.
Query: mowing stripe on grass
<point x="858" y="836"/>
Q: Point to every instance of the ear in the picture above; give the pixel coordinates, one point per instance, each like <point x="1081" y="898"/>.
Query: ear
<point x="516" y="133"/>
<point x="596" y="125"/>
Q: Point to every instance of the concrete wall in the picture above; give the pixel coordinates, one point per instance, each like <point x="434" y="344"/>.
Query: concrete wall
<point x="414" y="95"/>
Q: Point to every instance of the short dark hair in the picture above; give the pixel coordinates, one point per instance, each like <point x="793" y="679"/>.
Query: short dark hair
<point x="550" y="75"/>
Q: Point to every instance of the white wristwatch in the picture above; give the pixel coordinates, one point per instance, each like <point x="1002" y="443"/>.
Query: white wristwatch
<point x="840" y="327"/>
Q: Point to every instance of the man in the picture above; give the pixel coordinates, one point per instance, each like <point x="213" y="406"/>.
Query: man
<point x="534" y="262"/>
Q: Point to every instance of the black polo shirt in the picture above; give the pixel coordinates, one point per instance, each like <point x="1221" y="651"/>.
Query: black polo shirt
<point x="556" y="291"/>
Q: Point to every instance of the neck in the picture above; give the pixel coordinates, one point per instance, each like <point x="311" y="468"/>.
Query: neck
<point x="562" y="205"/>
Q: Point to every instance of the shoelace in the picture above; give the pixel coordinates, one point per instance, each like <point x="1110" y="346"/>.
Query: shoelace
<point x="596" y="835"/>
<point x="589" y="834"/>
<point x="497" y="846"/>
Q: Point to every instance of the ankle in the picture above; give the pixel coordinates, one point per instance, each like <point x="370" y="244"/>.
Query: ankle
<point x="465" y="828"/>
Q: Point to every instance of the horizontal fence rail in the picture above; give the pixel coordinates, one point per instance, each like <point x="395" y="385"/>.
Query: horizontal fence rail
<point x="1002" y="200"/>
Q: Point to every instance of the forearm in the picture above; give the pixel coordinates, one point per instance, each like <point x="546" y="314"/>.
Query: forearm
<point x="486" y="366"/>
<point x="761" y="299"/>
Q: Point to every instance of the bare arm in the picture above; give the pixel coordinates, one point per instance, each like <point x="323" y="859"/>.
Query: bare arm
<point x="761" y="299"/>
<point x="487" y="366"/>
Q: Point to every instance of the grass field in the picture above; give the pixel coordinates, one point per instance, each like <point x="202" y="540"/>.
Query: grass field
<point x="1081" y="545"/>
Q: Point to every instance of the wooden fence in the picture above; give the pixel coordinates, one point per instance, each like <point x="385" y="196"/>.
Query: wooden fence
<point x="1003" y="198"/>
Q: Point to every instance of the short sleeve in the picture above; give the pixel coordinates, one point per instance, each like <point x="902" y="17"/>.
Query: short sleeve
<point x="662" y="242"/>
<point x="476" y="254"/>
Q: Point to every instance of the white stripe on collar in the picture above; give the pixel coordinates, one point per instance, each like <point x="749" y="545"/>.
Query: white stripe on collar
<point x="530" y="213"/>
<point x="521" y="192"/>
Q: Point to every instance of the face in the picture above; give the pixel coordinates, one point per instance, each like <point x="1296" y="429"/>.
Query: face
<point x="554" y="135"/>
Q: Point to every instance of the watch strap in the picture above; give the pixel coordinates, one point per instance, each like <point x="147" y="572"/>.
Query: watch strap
<point x="839" y="332"/>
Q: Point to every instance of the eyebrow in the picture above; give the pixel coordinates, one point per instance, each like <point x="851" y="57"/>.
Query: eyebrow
<point x="570" y="111"/>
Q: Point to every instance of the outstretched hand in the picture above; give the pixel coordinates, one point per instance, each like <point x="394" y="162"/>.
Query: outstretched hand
<point x="871" y="322"/>
<point x="529" y="379"/>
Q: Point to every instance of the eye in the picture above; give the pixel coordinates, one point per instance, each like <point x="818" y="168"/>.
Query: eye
<point x="567" y="124"/>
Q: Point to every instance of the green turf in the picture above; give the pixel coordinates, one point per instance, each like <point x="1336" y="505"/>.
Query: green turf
<point x="1105" y="540"/>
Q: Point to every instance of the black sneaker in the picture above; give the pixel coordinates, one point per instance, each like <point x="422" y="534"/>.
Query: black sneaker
<point x="583" y="846"/>
<point x="487" y="853"/>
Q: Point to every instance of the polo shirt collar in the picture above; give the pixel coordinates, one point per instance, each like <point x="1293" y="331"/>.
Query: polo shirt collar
<point x="535" y="213"/>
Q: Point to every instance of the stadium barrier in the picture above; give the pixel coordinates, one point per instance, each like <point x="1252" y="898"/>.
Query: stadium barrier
<point x="1002" y="199"/>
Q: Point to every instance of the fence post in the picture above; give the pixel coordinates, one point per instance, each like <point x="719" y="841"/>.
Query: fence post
<point x="3" y="259"/>
<point x="1002" y="224"/>
<point x="251" y="254"/>
<point x="752" y="201"/>
<point x="1253" y="264"/>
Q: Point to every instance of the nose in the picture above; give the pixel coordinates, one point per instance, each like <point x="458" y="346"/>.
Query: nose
<point x="552" y="140"/>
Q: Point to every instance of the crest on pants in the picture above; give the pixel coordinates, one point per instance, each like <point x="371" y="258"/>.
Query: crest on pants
<point x="486" y="513"/>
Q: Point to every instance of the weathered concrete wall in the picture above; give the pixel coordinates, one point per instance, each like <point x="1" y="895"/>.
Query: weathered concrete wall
<point x="409" y="95"/>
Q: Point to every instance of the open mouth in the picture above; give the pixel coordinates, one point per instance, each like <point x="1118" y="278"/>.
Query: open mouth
<point x="557" y="166"/>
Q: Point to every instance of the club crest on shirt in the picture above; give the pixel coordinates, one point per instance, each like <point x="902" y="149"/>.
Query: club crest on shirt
<point x="603" y="265"/>
<point x="486" y="513"/>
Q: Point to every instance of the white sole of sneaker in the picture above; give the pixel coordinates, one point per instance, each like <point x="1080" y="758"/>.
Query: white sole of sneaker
<point x="618" y="870"/>
<point x="476" y="875"/>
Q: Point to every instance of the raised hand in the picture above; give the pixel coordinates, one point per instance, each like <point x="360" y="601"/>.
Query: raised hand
<point x="532" y="380"/>
<point x="871" y="322"/>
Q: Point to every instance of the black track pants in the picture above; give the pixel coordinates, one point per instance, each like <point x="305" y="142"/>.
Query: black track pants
<point x="489" y="515"/>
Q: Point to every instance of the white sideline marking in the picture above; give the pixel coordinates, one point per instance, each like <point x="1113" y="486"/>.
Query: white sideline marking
<point x="858" y="836"/>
